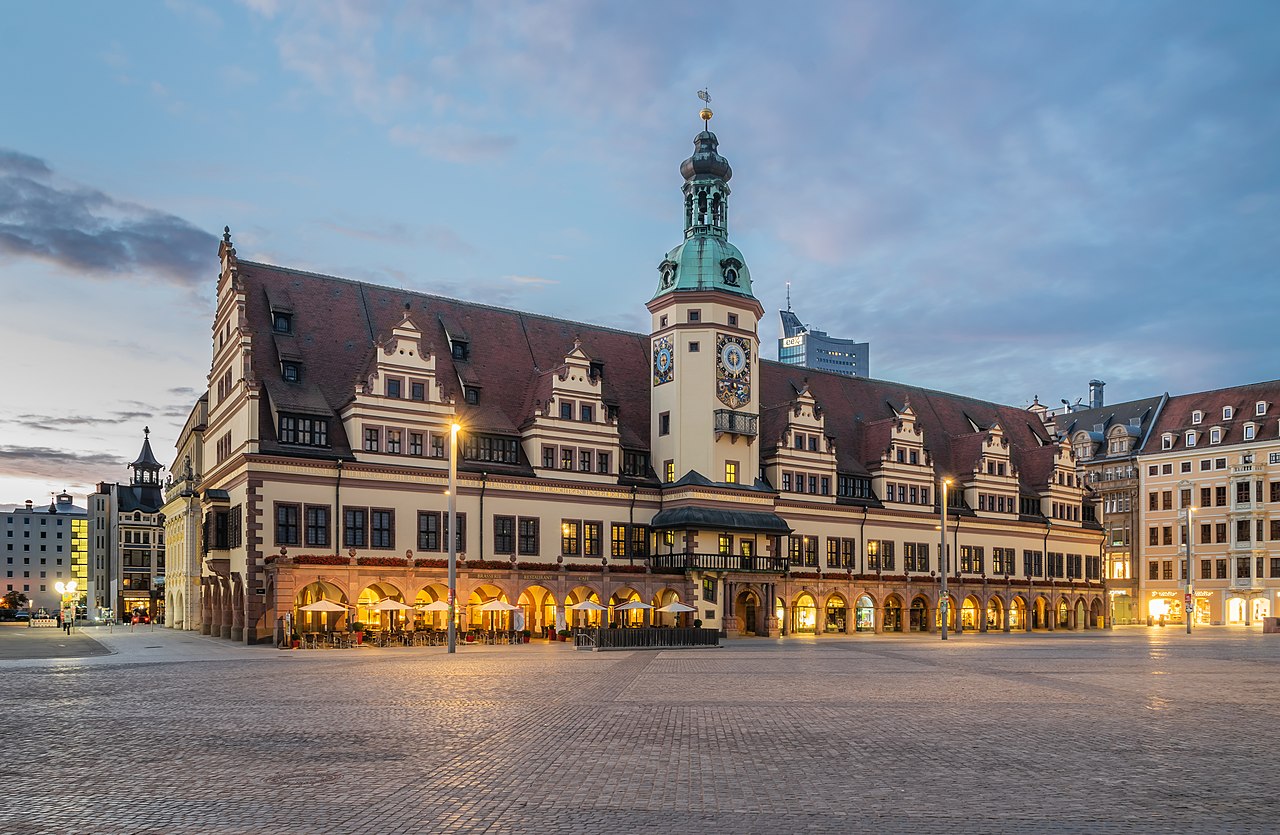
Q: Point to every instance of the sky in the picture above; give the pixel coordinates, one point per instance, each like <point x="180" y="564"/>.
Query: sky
<point x="1006" y="199"/>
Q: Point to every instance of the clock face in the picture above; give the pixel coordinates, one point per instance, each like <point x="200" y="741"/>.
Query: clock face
<point x="733" y="358"/>
<point x="733" y="373"/>
<point x="664" y="361"/>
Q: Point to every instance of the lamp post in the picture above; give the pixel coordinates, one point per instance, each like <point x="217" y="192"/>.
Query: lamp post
<point x="1188" y="602"/>
<point x="68" y="592"/>
<point x="943" y="600"/>
<point x="453" y="537"/>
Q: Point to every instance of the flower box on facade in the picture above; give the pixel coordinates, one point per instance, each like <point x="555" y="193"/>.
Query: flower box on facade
<point x="489" y="565"/>
<point x="385" y="562"/>
<point x="595" y="569"/>
<point x="322" y="559"/>
<point x="430" y="562"/>
<point x="537" y="566"/>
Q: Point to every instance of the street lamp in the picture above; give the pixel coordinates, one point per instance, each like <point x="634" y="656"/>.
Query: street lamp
<point x="943" y="600"/>
<point x="1188" y="602"/>
<point x="453" y="536"/>
<point x="68" y="592"/>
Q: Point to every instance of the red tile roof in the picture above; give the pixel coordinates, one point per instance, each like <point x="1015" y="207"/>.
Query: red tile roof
<point x="1175" y="418"/>
<point x="511" y="353"/>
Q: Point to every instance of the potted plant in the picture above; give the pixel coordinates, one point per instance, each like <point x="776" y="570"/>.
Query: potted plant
<point x="358" y="629"/>
<point x="525" y="635"/>
<point x="697" y="623"/>
<point x="295" y="640"/>
<point x="471" y="637"/>
<point x="563" y="634"/>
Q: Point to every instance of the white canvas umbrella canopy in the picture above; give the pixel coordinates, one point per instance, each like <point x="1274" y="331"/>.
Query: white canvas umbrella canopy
<point x="677" y="607"/>
<point x="324" y="606"/>
<point x="496" y="605"/>
<point x="633" y="604"/>
<point x="587" y="606"/>
<point x="436" y="606"/>
<point x="389" y="605"/>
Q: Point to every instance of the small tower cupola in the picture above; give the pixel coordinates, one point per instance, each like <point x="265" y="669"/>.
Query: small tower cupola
<point x="146" y="469"/>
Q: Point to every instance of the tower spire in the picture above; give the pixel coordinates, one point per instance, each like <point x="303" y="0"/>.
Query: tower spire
<point x="788" y="296"/>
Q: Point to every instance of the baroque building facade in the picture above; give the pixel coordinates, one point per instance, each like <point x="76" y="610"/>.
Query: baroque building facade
<point x="601" y="465"/>
<point x="1213" y="456"/>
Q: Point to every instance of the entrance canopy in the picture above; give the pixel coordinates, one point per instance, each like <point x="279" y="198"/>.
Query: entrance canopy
<point x="715" y="518"/>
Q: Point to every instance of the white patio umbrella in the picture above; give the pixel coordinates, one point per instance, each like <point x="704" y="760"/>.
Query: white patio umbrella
<point x="677" y="607"/>
<point x="389" y="605"/>
<point x="588" y="606"/>
<point x="324" y="605"/>
<point x="435" y="606"/>
<point x="633" y="604"/>
<point x="495" y="606"/>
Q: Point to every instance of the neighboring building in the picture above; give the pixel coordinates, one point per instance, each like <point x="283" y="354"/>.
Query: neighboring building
<point x="126" y="529"/>
<point x="42" y="546"/>
<point x="596" y="464"/>
<point x="182" y="520"/>
<point x="1219" y="453"/>
<point x="1106" y="441"/>
<point x="800" y="345"/>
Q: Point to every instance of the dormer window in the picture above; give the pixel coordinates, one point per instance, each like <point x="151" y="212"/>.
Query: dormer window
<point x="291" y="371"/>
<point x="731" y="276"/>
<point x="471" y="395"/>
<point x="1227" y="412"/>
<point x="1166" y="441"/>
<point x="282" y="322"/>
<point x="1260" y="408"/>
<point x="1196" y="417"/>
<point x="1250" y="431"/>
<point x="459" y="350"/>
<point x="1191" y="438"/>
<point x="1215" y="435"/>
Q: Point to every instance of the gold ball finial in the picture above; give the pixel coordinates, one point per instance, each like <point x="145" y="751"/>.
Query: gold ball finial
<point x="706" y="114"/>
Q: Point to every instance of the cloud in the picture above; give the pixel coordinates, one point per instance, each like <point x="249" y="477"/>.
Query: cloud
<point x="453" y="144"/>
<point x="83" y="230"/>
<point x="439" y="237"/>
<point x="58" y="465"/>
<point x="530" y="280"/>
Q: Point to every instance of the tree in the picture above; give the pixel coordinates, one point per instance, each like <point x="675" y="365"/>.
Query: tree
<point x="15" y="600"/>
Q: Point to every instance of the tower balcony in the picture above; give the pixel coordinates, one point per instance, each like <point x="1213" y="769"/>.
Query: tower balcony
<point x="736" y="423"/>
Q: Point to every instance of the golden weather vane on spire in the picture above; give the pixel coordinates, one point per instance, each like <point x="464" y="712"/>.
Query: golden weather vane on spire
<point x="706" y="113"/>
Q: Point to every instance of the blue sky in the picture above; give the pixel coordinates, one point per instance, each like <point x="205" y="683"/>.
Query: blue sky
<point x="1006" y="199"/>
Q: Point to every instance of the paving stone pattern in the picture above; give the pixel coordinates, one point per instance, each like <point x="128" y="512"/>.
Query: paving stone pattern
<point x="1125" y="731"/>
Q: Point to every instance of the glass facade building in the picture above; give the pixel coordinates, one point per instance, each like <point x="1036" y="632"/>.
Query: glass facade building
<point x="800" y="345"/>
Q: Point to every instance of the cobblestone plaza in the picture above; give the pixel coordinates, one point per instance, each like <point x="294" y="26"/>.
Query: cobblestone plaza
<point x="1140" y="730"/>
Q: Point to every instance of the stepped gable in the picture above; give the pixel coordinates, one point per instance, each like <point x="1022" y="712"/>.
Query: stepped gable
<point x="855" y="408"/>
<point x="1176" y="415"/>
<point x="336" y="322"/>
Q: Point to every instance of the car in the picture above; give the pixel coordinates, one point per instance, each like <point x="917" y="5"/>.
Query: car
<point x="22" y="615"/>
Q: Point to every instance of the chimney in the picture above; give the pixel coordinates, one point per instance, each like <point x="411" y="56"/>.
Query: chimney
<point x="29" y="503"/>
<point x="1095" y="394"/>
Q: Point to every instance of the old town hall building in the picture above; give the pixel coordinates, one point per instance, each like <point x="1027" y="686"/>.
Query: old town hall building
<point x="596" y="464"/>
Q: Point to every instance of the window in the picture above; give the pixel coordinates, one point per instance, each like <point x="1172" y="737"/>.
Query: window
<point x="566" y="410"/>
<point x="393" y="440"/>
<point x="417" y="391"/>
<point x="371" y="438"/>
<point x="1215" y="435"/>
<point x="527" y="537"/>
<point x="584" y="460"/>
<point x="731" y="472"/>
<point x="1153" y="501"/>
<point x="1032" y="563"/>
<point x="1250" y="431"/>
<point x="587" y="413"/>
<point x="1002" y="560"/>
<point x="591" y="539"/>
<point x="695" y="315"/>
<point x="382" y="529"/>
<point x="494" y="448"/>
<point x="1166" y="500"/>
<point x="504" y="534"/>
<point x="1227" y="412"/>
<point x="669" y="471"/>
<point x="602" y="463"/>
<point x="393" y="387"/>
<point x="458" y="349"/>
<point x="317" y="527"/>
<point x="618" y="541"/>
<point x="287" y="524"/>
<point x="549" y="457"/>
<point x="437" y="446"/>
<point x="1219" y="570"/>
<point x="813" y="443"/>
<point x="733" y="323"/>
<point x="282" y="322"/>
<point x="826" y="485"/>
<point x="1220" y="533"/>
<point x="471" y="394"/>
<point x="570" y="545"/>
<point x="354" y="527"/>
<point x="1154" y="536"/>
<point x="1191" y="437"/>
<point x="1166" y="442"/>
<point x="291" y="371"/>
<point x="1196" y="417"/>
<point x="635" y="463"/>
<point x="1206" y="569"/>
<point x="640" y="540"/>
<point x="664" y="423"/>
<point x="415" y="443"/>
<point x="1220" y="495"/>
<point x="1166" y="535"/>
<point x="915" y="556"/>
<point x="566" y="459"/>
<point x="694" y="347"/>
<point x="1206" y="496"/>
<point x="971" y="558"/>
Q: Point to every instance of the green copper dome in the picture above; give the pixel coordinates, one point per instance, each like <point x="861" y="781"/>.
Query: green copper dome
<point x="706" y="260"/>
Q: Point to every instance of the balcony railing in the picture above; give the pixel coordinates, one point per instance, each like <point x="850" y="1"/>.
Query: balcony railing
<point x="716" y="562"/>
<point x="739" y="423"/>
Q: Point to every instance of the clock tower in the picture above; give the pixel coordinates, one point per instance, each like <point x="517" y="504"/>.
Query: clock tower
<point x="704" y="340"/>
